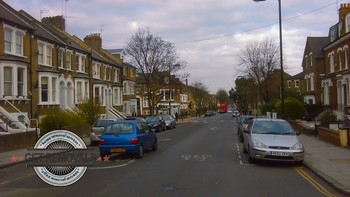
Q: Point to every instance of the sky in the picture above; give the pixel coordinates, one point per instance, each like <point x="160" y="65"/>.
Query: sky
<point x="208" y="34"/>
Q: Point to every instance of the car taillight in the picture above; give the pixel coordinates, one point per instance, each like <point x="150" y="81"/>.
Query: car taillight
<point x="102" y="142"/>
<point x="134" y="141"/>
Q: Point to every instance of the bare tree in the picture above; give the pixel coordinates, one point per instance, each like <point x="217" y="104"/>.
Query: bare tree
<point x="152" y="55"/>
<point x="200" y="96"/>
<point x="222" y="96"/>
<point x="260" y="60"/>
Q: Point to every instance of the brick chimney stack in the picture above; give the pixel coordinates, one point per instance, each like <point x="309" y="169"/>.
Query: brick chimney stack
<point x="94" y="40"/>
<point x="56" y="21"/>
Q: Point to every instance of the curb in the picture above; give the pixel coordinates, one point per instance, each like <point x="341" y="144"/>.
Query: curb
<point x="336" y="185"/>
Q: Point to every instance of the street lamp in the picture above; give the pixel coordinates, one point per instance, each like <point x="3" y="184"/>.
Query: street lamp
<point x="281" y="53"/>
<point x="169" y="92"/>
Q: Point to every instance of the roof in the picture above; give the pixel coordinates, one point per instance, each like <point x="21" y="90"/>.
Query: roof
<point x="41" y="30"/>
<point x="317" y="44"/>
<point x="9" y="14"/>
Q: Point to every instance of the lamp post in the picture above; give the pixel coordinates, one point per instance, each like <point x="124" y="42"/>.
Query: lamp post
<point x="281" y="53"/>
<point x="169" y="91"/>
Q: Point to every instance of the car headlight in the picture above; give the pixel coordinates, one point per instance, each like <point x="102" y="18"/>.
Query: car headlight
<point x="259" y="144"/>
<point x="297" y="146"/>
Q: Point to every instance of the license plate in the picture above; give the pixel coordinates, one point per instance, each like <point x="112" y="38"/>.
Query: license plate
<point x="279" y="154"/>
<point x="117" y="150"/>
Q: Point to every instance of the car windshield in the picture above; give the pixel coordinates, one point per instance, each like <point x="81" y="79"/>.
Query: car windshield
<point x="272" y="127"/>
<point x="167" y="118"/>
<point x="152" y="119"/>
<point x="120" y="128"/>
<point x="102" y="123"/>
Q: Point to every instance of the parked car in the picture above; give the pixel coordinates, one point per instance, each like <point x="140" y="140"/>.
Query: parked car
<point x="128" y="136"/>
<point x="209" y="113"/>
<point x="97" y="129"/>
<point x="242" y="123"/>
<point x="170" y="121"/>
<point x="136" y="118"/>
<point x="157" y="122"/>
<point x="272" y="139"/>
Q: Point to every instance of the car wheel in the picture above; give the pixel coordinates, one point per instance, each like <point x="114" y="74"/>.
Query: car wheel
<point x="155" y="145"/>
<point x="241" y="139"/>
<point x="250" y="158"/>
<point x="140" y="153"/>
<point x="244" y="149"/>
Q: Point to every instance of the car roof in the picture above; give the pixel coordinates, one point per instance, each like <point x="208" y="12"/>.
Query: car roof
<point x="270" y="119"/>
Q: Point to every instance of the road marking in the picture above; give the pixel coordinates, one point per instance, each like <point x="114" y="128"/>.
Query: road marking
<point x="109" y="167"/>
<point x="9" y="181"/>
<point x="165" y="139"/>
<point x="240" y="155"/>
<point x="314" y="182"/>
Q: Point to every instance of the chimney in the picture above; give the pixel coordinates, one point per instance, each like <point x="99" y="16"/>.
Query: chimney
<point x="57" y="21"/>
<point x="94" y="40"/>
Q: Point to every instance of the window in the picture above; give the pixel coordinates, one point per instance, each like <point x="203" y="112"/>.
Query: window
<point x="331" y="62"/>
<point x="44" y="89"/>
<point x="53" y="90"/>
<point x="80" y="62"/>
<point x="340" y="60"/>
<point x="8" y="81"/>
<point x="13" y="77"/>
<point x="20" y="82"/>
<point x="117" y="75"/>
<point x="346" y="51"/>
<point x="45" y="53"/>
<point x="49" y="55"/>
<point x="41" y="53"/>
<point x="296" y="83"/>
<point x="13" y="40"/>
<point x="306" y="61"/>
<point x="117" y="96"/>
<point x="60" y="58"/>
<point x="69" y="60"/>
<point x="96" y="67"/>
<point x="19" y="43"/>
<point x="79" y="92"/>
<point x="289" y="83"/>
<point x="310" y="59"/>
<point x="347" y="23"/>
<point x="48" y="89"/>
<point x="8" y="40"/>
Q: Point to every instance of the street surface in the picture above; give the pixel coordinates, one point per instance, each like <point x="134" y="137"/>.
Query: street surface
<point x="202" y="158"/>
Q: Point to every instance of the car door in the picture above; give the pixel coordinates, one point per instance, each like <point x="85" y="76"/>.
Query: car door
<point x="145" y="135"/>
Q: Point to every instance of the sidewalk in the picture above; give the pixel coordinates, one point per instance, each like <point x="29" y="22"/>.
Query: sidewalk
<point x="330" y="162"/>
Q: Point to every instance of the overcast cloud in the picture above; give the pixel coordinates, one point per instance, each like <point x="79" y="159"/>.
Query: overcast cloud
<point x="208" y="34"/>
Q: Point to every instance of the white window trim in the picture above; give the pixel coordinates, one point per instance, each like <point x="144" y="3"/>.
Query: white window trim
<point x="14" y="67"/>
<point x="81" y="64"/>
<point x="70" y="53"/>
<point x="50" y="101"/>
<point x="84" y="94"/>
<point x="45" y="53"/>
<point x="13" y="40"/>
<point x="61" y="64"/>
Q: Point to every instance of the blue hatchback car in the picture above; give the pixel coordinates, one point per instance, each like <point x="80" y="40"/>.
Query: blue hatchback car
<point x="128" y="136"/>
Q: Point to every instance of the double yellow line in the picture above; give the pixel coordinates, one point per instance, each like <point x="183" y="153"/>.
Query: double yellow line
<point x="313" y="182"/>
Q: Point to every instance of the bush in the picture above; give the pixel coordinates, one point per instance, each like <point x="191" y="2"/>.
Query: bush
<point x="327" y="117"/>
<point x="293" y="108"/>
<point x="267" y="107"/>
<point x="57" y="119"/>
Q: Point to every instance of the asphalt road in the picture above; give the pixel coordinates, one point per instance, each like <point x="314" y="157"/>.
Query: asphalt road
<point x="202" y="158"/>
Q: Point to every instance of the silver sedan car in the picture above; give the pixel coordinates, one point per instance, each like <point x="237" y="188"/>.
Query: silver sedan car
<point x="272" y="139"/>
